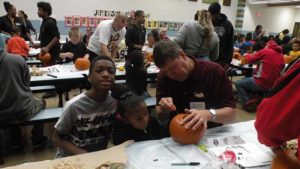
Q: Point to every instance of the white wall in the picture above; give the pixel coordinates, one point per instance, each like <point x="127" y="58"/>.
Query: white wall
<point x="297" y="17"/>
<point x="169" y="10"/>
<point x="272" y="19"/>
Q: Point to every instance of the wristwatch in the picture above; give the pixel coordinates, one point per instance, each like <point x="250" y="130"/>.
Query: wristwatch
<point x="213" y="114"/>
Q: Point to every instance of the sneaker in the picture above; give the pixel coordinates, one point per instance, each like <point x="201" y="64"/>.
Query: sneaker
<point x="40" y="143"/>
<point x="49" y="95"/>
<point x="250" y="106"/>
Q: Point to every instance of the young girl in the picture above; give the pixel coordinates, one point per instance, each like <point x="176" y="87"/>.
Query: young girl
<point x="17" y="45"/>
<point x="295" y="53"/>
<point x="132" y="119"/>
<point x="86" y="122"/>
<point x="148" y="49"/>
<point x="136" y="74"/>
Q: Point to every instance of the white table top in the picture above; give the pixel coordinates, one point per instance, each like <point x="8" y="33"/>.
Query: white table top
<point x="68" y="71"/>
<point x="161" y="153"/>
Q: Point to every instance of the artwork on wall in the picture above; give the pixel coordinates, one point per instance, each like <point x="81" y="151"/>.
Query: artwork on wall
<point x="209" y="1"/>
<point x="92" y="22"/>
<point x="68" y="21"/>
<point x="226" y="2"/>
<point x="76" y="21"/>
<point x="83" y="21"/>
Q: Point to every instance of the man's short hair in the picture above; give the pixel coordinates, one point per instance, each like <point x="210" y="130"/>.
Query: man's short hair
<point x="214" y="8"/>
<point x="121" y="17"/>
<point x="138" y="13"/>
<point x="46" y="7"/>
<point x="165" y="51"/>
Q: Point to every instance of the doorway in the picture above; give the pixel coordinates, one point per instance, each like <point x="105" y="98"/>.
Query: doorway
<point x="296" y="31"/>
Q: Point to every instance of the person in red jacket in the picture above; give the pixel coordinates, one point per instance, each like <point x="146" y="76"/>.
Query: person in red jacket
<point x="16" y="44"/>
<point x="277" y="119"/>
<point x="269" y="65"/>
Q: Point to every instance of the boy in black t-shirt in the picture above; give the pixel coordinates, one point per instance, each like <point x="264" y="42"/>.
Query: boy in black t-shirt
<point x="74" y="48"/>
<point x="49" y="34"/>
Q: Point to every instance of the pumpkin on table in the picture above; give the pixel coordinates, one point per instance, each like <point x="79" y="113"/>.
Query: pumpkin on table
<point x="287" y="59"/>
<point x="82" y="63"/>
<point x="237" y="56"/>
<point x="44" y="57"/>
<point x="286" y="159"/>
<point x="180" y="134"/>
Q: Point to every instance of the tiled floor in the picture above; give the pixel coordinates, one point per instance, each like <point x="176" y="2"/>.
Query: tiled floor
<point x="48" y="153"/>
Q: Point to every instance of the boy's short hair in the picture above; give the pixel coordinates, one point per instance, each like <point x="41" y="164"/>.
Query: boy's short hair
<point x="214" y="8"/>
<point x="15" y="30"/>
<point x="100" y="57"/>
<point x="138" y="13"/>
<point x="45" y="6"/>
<point x="74" y="31"/>
<point x="165" y="51"/>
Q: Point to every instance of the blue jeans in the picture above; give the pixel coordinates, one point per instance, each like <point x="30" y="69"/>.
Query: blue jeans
<point x="245" y="86"/>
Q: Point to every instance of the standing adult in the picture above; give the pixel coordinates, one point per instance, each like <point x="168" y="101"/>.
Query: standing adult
<point x="107" y="37"/>
<point x="27" y="22"/>
<point x="225" y="31"/>
<point x="180" y="78"/>
<point x="49" y="34"/>
<point x="198" y="39"/>
<point x="10" y="20"/>
<point x="258" y="33"/>
<point x="136" y="34"/>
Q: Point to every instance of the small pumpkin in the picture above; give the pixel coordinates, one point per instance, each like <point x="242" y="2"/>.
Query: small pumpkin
<point x="180" y="134"/>
<point x="287" y="59"/>
<point x="244" y="60"/>
<point x="149" y="57"/>
<point x="286" y="159"/>
<point x="82" y="64"/>
<point x="44" y="57"/>
<point x="237" y="56"/>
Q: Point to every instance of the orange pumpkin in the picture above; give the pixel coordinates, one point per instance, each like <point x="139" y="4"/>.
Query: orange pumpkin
<point x="44" y="57"/>
<point x="182" y="135"/>
<point x="287" y="59"/>
<point x="237" y="55"/>
<point x="243" y="60"/>
<point x="285" y="160"/>
<point x="149" y="57"/>
<point x="82" y="64"/>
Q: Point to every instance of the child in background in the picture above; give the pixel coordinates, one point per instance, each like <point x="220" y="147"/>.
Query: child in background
<point x="295" y="53"/>
<point x="74" y="48"/>
<point x="16" y="44"/>
<point x="136" y="74"/>
<point x="132" y="119"/>
<point x="86" y="122"/>
<point x="148" y="49"/>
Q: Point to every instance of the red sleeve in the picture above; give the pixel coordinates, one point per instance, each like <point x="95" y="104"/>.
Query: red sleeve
<point x="252" y="58"/>
<point x="277" y="117"/>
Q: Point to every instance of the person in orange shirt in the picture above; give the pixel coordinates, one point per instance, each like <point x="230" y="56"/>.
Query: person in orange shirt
<point x="295" y="53"/>
<point x="17" y="45"/>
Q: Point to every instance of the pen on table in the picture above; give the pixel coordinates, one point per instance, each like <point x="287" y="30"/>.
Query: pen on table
<point x="190" y="163"/>
<point x="52" y="75"/>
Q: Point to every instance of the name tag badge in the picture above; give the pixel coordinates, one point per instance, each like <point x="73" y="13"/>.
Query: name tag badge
<point x="18" y="24"/>
<point x="197" y="105"/>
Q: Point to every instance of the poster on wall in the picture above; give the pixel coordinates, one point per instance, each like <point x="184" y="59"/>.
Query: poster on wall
<point x="68" y="21"/>
<point x="209" y="1"/>
<point x="91" y="22"/>
<point x="154" y="24"/>
<point x="84" y="21"/>
<point x="148" y="25"/>
<point x="76" y="21"/>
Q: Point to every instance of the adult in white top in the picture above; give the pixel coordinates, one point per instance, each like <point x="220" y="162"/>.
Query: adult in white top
<point x="107" y="37"/>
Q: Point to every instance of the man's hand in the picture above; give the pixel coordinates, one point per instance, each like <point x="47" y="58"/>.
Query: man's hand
<point x="167" y="104"/>
<point x="195" y="119"/>
<point x="44" y="50"/>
